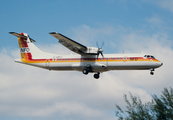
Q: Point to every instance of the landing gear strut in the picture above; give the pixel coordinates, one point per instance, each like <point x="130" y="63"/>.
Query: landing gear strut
<point x="152" y="73"/>
<point x="96" y="75"/>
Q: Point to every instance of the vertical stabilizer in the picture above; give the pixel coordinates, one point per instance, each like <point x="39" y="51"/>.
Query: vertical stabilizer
<point x="28" y="50"/>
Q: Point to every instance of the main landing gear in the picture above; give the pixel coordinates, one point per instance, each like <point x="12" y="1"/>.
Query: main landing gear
<point x="86" y="71"/>
<point x="152" y="73"/>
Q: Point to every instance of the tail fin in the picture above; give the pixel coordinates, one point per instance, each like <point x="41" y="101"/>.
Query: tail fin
<point x="28" y="50"/>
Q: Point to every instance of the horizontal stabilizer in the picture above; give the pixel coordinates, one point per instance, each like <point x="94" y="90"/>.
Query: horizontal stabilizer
<point x="18" y="35"/>
<point x="21" y="36"/>
<point x="32" y="40"/>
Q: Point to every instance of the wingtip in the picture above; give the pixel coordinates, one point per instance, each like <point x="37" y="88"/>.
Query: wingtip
<point x="11" y="32"/>
<point x="53" y="33"/>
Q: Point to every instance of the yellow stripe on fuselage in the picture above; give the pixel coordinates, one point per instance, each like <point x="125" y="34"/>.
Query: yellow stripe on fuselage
<point x="66" y="60"/>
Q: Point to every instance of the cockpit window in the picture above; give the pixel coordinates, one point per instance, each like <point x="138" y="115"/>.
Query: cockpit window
<point x="152" y="57"/>
<point x="149" y="56"/>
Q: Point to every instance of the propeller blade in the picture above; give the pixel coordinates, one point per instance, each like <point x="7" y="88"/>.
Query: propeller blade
<point x="102" y="54"/>
<point x="102" y="44"/>
<point x="97" y="56"/>
<point x="97" y="44"/>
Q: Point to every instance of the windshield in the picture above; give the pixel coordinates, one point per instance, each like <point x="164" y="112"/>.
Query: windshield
<point x="149" y="56"/>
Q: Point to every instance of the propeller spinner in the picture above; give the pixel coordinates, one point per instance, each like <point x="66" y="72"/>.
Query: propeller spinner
<point x="100" y="50"/>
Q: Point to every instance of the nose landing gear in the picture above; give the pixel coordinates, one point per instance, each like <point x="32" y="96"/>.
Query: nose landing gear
<point x="152" y="73"/>
<point x="96" y="75"/>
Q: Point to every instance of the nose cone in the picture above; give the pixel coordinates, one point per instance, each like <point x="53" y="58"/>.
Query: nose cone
<point x="160" y="64"/>
<point x="100" y="50"/>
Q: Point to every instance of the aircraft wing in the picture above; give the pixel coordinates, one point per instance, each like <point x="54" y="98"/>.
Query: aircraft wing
<point x="69" y="43"/>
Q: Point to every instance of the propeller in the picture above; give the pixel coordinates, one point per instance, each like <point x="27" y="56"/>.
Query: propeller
<point x="100" y="50"/>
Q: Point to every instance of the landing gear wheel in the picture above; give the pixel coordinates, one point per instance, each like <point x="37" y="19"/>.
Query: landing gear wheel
<point x="152" y="73"/>
<point x="85" y="71"/>
<point x="96" y="76"/>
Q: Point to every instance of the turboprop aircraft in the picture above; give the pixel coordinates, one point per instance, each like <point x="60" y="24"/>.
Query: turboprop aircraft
<point x="87" y="60"/>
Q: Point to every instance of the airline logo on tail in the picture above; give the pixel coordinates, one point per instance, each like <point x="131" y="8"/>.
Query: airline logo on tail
<point x="24" y="50"/>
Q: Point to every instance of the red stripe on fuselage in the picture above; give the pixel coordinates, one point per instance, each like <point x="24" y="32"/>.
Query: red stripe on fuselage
<point x="29" y="59"/>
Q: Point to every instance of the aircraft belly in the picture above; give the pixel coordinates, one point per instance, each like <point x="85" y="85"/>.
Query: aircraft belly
<point x="40" y="65"/>
<point x="96" y="67"/>
<point x="61" y="66"/>
<point x="131" y="65"/>
<point x="81" y="65"/>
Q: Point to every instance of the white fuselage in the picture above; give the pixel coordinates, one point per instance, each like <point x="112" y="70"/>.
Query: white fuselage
<point x="109" y="62"/>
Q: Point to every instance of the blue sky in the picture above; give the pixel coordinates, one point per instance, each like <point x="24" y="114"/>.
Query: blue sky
<point x="131" y="26"/>
<point x="38" y="18"/>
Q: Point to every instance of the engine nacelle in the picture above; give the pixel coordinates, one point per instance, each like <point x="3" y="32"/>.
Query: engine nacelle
<point x="92" y="50"/>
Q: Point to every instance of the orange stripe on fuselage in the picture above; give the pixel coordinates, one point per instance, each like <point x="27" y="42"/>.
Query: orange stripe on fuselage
<point x="28" y="59"/>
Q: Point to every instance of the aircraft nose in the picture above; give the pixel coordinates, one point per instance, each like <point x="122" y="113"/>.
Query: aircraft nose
<point x="161" y="64"/>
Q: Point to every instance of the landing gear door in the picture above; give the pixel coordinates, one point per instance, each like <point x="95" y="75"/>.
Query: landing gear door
<point x="100" y="65"/>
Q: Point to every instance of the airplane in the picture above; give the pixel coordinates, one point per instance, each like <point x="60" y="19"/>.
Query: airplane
<point x="87" y="60"/>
